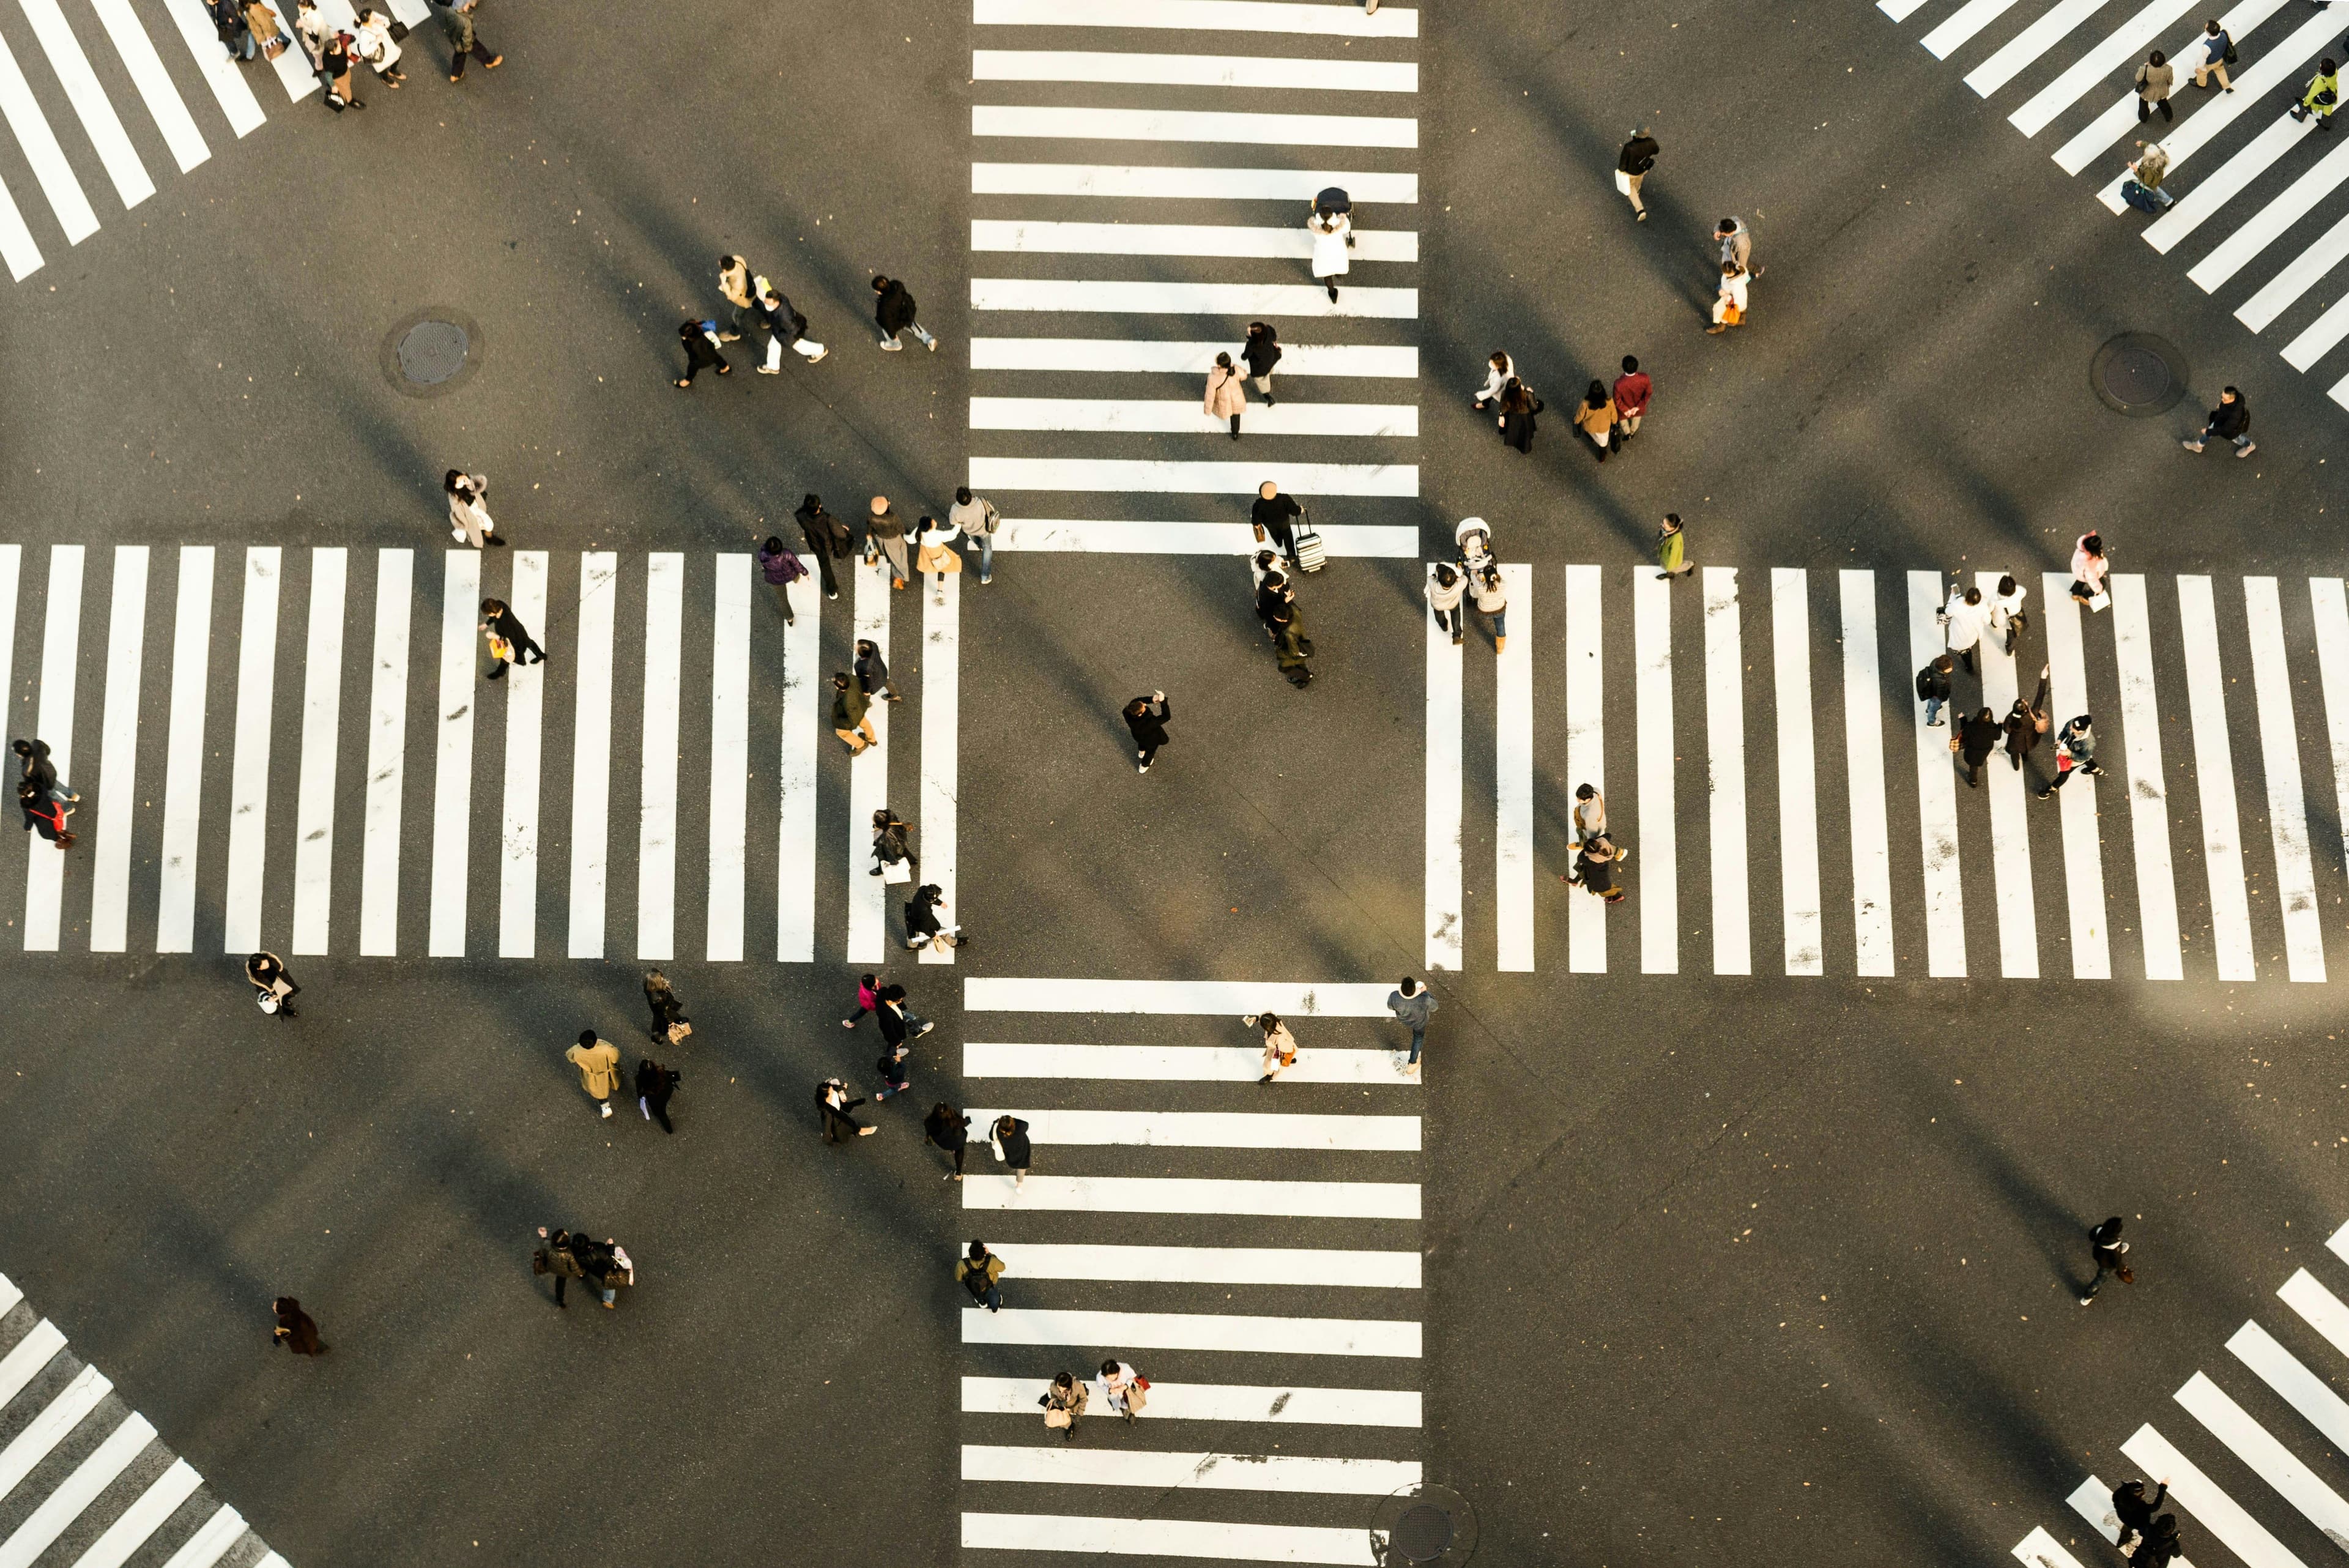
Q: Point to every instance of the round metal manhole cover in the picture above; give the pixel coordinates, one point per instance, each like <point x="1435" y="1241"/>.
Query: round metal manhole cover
<point x="433" y="351"/>
<point x="2135" y="376"/>
<point x="2138" y="374"/>
<point x="1423" y="1533"/>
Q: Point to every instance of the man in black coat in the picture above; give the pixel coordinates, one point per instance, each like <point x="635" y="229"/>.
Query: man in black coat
<point x="1147" y="717"/>
<point x="1262" y="352"/>
<point x="2111" y="1255"/>
<point x="2134" y="1510"/>
<point x="784" y="325"/>
<point x="894" y="309"/>
<point x="1976" y="739"/>
<point x="827" y="537"/>
<point x="700" y="340"/>
<point x="1270" y="517"/>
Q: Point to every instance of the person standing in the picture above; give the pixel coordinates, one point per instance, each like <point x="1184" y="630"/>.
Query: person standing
<point x="893" y="307"/>
<point x="456" y="25"/>
<point x="1279" y="1044"/>
<point x="873" y="672"/>
<point x="1445" y="588"/>
<point x="1262" y="352"/>
<point x="980" y="1271"/>
<point x="1225" y="399"/>
<point x="1412" y="1003"/>
<point x="868" y="999"/>
<point x="950" y="1129"/>
<point x="891" y="847"/>
<point x="1593" y="870"/>
<point x="1590" y="818"/>
<point x="1974" y="740"/>
<point x="2088" y="568"/>
<point x="701" y="350"/>
<point x="1493" y="603"/>
<point x="655" y="1086"/>
<point x="2134" y="1513"/>
<point x="2154" y="80"/>
<point x="271" y="985"/>
<point x="2076" y="753"/>
<point x="1729" y="302"/>
<point x="1632" y="391"/>
<point x="1933" y="689"/>
<point x="977" y="518"/>
<point x="922" y="927"/>
<point x="295" y="1330"/>
<point x="2230" y="421"/>
<point x="1516" y="420"/>
<point x="335" y="65"/>
<point x="734" y="283"/>
<point x="2218" y="53"/>
<point x="786" y="327"/>
<point x="2146" y="171"/>
<point x="884" y="534"/>
<point x="1125" y="1391"/>
<point x="828" y="539"/>
<point x="834" y="1105"/>
<point x="1290" y="646"/>
<point x="2026" y="722"/>
<point x="1333" y="236"/>
<point x="934" y="549"/>
<point x="1145" y="720"/>
<point x="1270" y="517"/>
<point x="468" y="514"/>
<point x="2322" y="98"/>
<point x="781" y="568"/>
<point x="850" y="716"/>
<point x="670" y="1024"/>
<point x="375" y="44"/>
<point x="1672" y="548"/>
<point x="1499" y="372"/>
<point x="1596" y="419"/>
<point x="1064" y="1401"/>
<point x="1632" y="162"/>
<point x="1967" y="618"/>
<point x="1736" y="243"/>
<point x="2110" y="1254"/>
<point x="2007" y="620"/>
<point x="598" y="1062"/>
<point x="1008" y="1138"/>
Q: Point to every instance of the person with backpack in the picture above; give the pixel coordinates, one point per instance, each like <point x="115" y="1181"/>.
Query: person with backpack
<point x="784" y="325"/>
<point x="892" y="308"/>
<point x="2217" y="54"/>
<point x="980" y="1272"/>
<point x="2155" y="79"/>
<point x="2142" y="189"/>
<point x="1933" y="689"/>
<point x="977" y="518"/>
<point x="2230" y="421"/>
<point x="2322" y="96"/>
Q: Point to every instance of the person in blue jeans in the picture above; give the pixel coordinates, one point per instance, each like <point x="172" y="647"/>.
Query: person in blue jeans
<point x="1411" y="1004"/>
<point x="1933" y="689"/>
<point x="977" y="518"/>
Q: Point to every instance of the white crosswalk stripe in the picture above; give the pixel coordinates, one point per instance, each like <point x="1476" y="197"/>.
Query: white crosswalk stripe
<point x="1222" y="1402"/>
<point x="1201" y="15"/>
<point x="1162" y="183"/>
<point x="1193" y="70"/>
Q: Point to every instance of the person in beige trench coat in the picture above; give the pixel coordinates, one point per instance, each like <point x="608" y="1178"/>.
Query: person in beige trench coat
<point x="1226" y="398"/>
<point x="598" y="1062"/>
<point x="469" y="518"/>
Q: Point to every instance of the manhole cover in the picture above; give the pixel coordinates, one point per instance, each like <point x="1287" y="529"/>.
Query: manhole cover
<point x="432" y="351"/>
<point x="1422" y="1533"/>
<point x="2136" y="376"/>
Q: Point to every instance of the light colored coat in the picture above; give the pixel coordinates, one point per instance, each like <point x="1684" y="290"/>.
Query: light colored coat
<point x="599" y="1067"/>
<point x="1224" y="397"/>
<point x="1330" y="258"/>
<point x="2090" y="570"/>
<point x="1966" y="622"/>
<point x="469" y="516"/>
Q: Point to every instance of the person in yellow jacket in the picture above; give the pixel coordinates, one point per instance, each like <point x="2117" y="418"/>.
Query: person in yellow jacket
<point x="2322" y="96"/>
<point x="598" y="1062"/>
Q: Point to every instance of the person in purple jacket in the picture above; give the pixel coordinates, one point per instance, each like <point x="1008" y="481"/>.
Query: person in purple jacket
<point x="782" y="568"/>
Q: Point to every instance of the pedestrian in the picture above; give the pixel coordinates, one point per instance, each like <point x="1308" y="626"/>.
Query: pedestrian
<point x="272" y="987"/>
<point x="1270" y="517"/>
<point x="1632" y="162"/>
<point x="1933" y="688"/>
<point x="1126" y="1390"/>
<point x="1272" y="592"/>
<point x="1967" y="618"/>
<point x="498" y="620"/>
<point x="228" y="25"/>
<point x="828" y="539"/>
<point x="2322" y="96"/>
<point x="1279" y="1044"/>
<point x="2142" y="189"/>
<point x="899" y="1023"/>
<point x="42" y="772"/>
<point x="2076" y="753"/>
<point x="468" y="513"/>
<point x="786" y="328"/>
<point x="781" y="568"/>
<point x="977" y="1272"/>
<point x="1736" y="243"/>
<point x="2133" y="1511"/>
<point x="2007" y="620"/>
<point x="312" y="31"/>
<point x="1499" y="372"/>
<point x="560" y="1258"/>
<point x="606" y="1266"/>
<point x="1008" y="1138"/>
<point x="2159" y="1546"/>
<point x="1632" y="391"/>
<point x="2230" y="421"/>
<point x="977" y="518"/>
<point x="850" y="718"/>
<point x="598" y="1062"/>
<point x="1593" y="870"/>
<point x="1445" y="588"/>
<point x="671" y="1025"/>
<point x="892" y="308"/>
<point x="2217" y="54"/>
<point x="2088" y="569"/>
<point x="1064" y="1402"/>
<point x="2110" y="1254"/>
<point x="655" y="1085"/>
<point x="1493" y="603"/>
<point x="1515" y="419"/>
<point x="834" y="1105"/>
<point x="700" y="340"/>
<point x="1672" y="548"/>
<point x="45" y="815"/>
<point x="456" y="25"/>
<point x="950" y="1129"/>
<point x="1225" y="398"/>
<point x="497" y="654"/>
<point x="335" y="65"/>
<point x="1333" y="236"/>
<point x="895" y="1077"/>
<point x="1973" y="739"/>
<point x="734" y="284"/>
<point x="884" y="534"/>
<point x="295" y="1330"/>
<point x="923" y="928"/>
<point x="2154" y="80"/>
<point x="894" y="859"/>
<point x="1145" y="720"/>
<point x="2026" y="722"/>
<point x="934" y="549"/>
<point x="1411" y="1002"/>
<point x="1292" y="648"/>
<point x="1596" y="419"/>
<point x="1728" y="302"/>
<point x="262" y="23"/>
<point x="868" y="999"/>
<point x="1262" y="352"/>
<point x="1590" y="818"/>
<point x="873" y="672"/>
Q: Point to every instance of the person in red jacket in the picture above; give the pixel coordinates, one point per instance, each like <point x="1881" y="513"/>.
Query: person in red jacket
<point x="1632" y="390"/>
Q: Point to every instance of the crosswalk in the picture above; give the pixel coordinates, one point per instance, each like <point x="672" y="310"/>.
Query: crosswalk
<point x="2259" y="1431"/>
<point x="2276" y="232"/>
<point x="1117" y="1246"/>
<point x="86" y="1483"/>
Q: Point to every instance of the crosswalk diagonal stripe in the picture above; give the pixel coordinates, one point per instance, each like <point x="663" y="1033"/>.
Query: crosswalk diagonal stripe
<point x="2125" y="44"/>
<point x="1937" y="793"/>
<point x="2320" y="337"/>
<point x="1176" y="1471"/>
<point x="2040" y="1550"/>
<point x="2214" y="764"/>
<point x="452" y="773"/>
<point x="2149" y="798"/>
<point x="322" y="695"/>
<point x="2224" y="183"/>
<point x="2092" y="1500"/>
<point x="1225" y="241"/>
<point x="73" y="1494"/>
<point x="1162" y="183"/>
<point x="525" y="724"/>
<point x="2293" y="1383"/>
<point x="1252" y="72"/>
<point x="591" y="753"/>
<point x="1659" y="916"/>
<point x="27" y="1357"/>
<point x="387" y="755"/>
<point x="2302" y="273"/>
<point x="60" y="656"/>
<point x="1182" y="1195"/>
<point x="40" y="1437"/>
<point x="2278" y="67"/>
<point x="212" y="1541"/>
<point x="1364" y="361"/>
<point x="2018" y="918"/>
<point x="241" y="110"/>
<point x="1230" y="16"/>
<point x="1871" y="835"/>
<point x="10" y="1294"/>
<point x="1212" y="1265"/>
<point x="1072" y="124"/>
<point x="2268" y="1458"/>
<point x="2262" y="229"/>
<point x="2200" y="1496"/>
<point x="1970" y="19"/>
<point x="2318" y="1307"/>
<point x="17" y="246"/>
<point x="39" y="145"/>
<point x="145" y="67"/>
<point x="137" y="1523"/>
<point x="2016" y="56"/>
<point x="2303" y="927"/>
<point x="126" y="638"/>
<point x="90" y="101"/>
<point x="1238" y="1332"/>
<point x="1156" y="1536"/>
<point x="2084" y="871"/>
<point x="656" y="771"/>
<point x="1221" y="1402"/>
<point x="2119" y="121"/>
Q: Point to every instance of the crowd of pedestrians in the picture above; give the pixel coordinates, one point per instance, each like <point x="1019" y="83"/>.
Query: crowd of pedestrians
<point x="250" y="29"/>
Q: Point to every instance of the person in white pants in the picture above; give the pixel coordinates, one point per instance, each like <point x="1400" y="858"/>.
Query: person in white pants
<point x="783" y="324"/>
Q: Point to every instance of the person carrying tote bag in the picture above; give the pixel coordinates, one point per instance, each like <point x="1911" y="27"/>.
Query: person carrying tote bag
<point x="1065" y="1405"/>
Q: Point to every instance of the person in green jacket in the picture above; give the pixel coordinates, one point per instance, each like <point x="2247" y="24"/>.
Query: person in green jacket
<point x="2322" y="96"/>
<point x="1672" y="548"/>
<point x="849" y="705"/>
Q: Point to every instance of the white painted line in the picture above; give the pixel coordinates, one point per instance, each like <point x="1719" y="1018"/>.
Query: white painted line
<point x="1160" y="183"/>
<point x="2320" y="337"/>
<point x="1177" y="1064"/>
<point x="248" y="794"/>
<point x="526" y="723"/>
<point x="2039" y="1549"/>
<point x="2339" y="392"/>
<point x="941" y="778"/>
<point x="1180" y="1195"/>
<point x="118" y="775"/>
<point x="461" y="646"/>
<point x="1348" y="131"/>
<point x="211" y="1540"/>
<point x="137" y="1523"/>
<point x="40" y="148"/>
<point x="2293" y="1383"/>
<point x="2017" y="53"/>
<point x="2295" y="885"/>
<point x="2331" y="603"/>
<point x="183" y="749"/>
<point x="1445" y="790"/>
<point x="1102" y="296"/>
<point x="90" y="105"/>
<point x="1586" y="740"/>
<point x="2214" y="768"/>
<point x="1219" y="1402"/>
<point x="1212" y="1265"/>
<point x="45" y="878"/>
<point x="50" y="1427"/>
<point x="1260" y="72"/>
<point x="321" y="712"/>
<point x="1158" y="476"/>
<point x="1863" y="766"/>
<point x="1724" y="722"/>
<point x="1398" y="542"/>
<point x="77" y="1491"/>
<point x="1183" y="416"/>
<point x="2269" y="1460"/>
<point x="2156" y="889"/>
<point x="1899" y="10"/>
<point x="212" y="63"/>
<point x="591" y="751"/>
<point x="2264" y="228"/>
<point x="17" y="247"/>
<point x="806" y="696"/>
<point x="1290" y="243"/>
<point x="154" y="83"/>
<point x="12" y="560"/>
<point x="2010" y="824"/>
<point x="1799" y="773"/>
<point x="1937" y="791"/>
<point x="868" y="775"/>
<point x="1201" y="15"/>
<point x="1281" y="1335"/>
<point x="1211" y="1129"/>
<point x="2092" y="1500"/>
<point x="2214" y="1509"/>
<point x="1064" y="1464"/>
<point x="1513" y="771"/>
<point x="2280" y="66"/>
<point x="10" y="1294"/>
<point x="1366" y="360"/>
<point x="2318" y="1307"/>
<point x="2302" y="273"/>
<point x="2214" y="191"/>
<point x="1660" y="900"/>
<point x="2118" y="122"/>
<point x="730" y="756"/>
<point x="2124" y="46"/>
<point x="656" y="795"/>
<point x="1290" y="999"/>
<point x="1970" y="18"/>
<point x="27" y="1359"/>
<point x="1098" y="1535"/>
<point x="2084" y="869"/>
<point x="395" y="584"/>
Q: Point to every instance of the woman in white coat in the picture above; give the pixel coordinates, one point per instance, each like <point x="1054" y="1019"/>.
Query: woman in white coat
<point x="375" y="46"/>
<point x="1333" y="236"/>
<point x="469" y="519"/>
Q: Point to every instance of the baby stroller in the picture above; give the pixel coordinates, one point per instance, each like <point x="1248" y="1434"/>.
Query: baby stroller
<point x="1475" y="542"/>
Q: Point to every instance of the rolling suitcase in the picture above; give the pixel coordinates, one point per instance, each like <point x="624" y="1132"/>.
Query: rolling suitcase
<point x="1311" y="556"/>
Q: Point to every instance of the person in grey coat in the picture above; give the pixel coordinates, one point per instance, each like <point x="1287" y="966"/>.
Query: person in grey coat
<point x="457" y="22"/>
<point x="884" y="534"/>
<point x="1411" y="1004"/>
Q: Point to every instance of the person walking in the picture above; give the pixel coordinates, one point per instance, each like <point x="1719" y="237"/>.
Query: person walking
<point x="2155" y="80"/>
<point x="1672" y="548"/>
<point x="977" y="518"/>
<point x="39" y="770"/>
<point x="873" y="672"/>
<point x="893" y="307"/>
<point x="896" y="1079"/>
<point x="1290" y="646"/>
<point x="1125" y="1391"/>
<point x="1593" y="870"/>
<point x="1736" y="243"/>
<point x="229" y="26"/>
<point x="1632" y="391"/>
<point x="2159" y="1546"/>
<point x="669" y="1025"/>
<point x="950" y="1129"/>
<point x="1445" y="588"/>
<point x="598" y="1062"/>
<point x="892" y="847"/>
<point x="1596" y="419"/>
<point x="559" y="1257"/>
<point x="2110" y="1254"/>
<point x="468" y="514"/>
<point x="2230" y="421"/>
<point x="1728" y="302"/>
<point x="1974" y="740"/>
<point x="498" y="620"/>
<point x="1008" y="1138"/>
<point x="1590" y="818"/>
<point x="334" y="61"/>
<point x="922" y="927"/>
<point x="1262" y="352"/>
<point x="781" y="568"/>
<point x="457" y="27"/>
<point x="1412" y="1003"/>
<point x="786" y="328"/>
<point x="2217" y="52"/>
<point x="294" y="1329"/>
<point x="899" y="1024"/>
<point x="45" y="815"/>
<point x="980" y="1272"/>
<point x="2026" y="722"/>
<point x="701" y="350"/>
<point x="1516" y="420"/>
<point x="851" y="715"/>
<point x="2133" y="1511"/>
<point x="1271" y="514"/>
<point x="734" y="284"/>
<point x="1493" y="603"/>
<point x="884" y="534"/>
<point x="2323" y="95"/>
<point x="2007" y="620"/>
<point x="828" y="539"/>
<point x="1933" y="688"/>
<point x="655" y="1086"/>
<point x="263" y="23"/>
<point x="2142" y="189"/>
<point x="606" y="1266"/>
<point x="1145" y="720"/>
<point x="836" y="1109"/>
<point x="2076" y="753"/>
<point x="272" y="987"/>
<point x="1499" y="372"/>
<point x="1333" y="237"/>
<point x="1279" y="1044"/>
<point x="868" y="999"/>
<point x="1064" y="1401"/>
<point x="2088" y="569"/>
<point x="1225" y="398"/>
<point x="934" y="549"/>
<point x="1632" y="162"/>
<point x="1967" y="619"/>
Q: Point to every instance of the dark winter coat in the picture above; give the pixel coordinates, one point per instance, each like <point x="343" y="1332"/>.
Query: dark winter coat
<point x="1149" y="727"/>
<point x="894" y="308"/>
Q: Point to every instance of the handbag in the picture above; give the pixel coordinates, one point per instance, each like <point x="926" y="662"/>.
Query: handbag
<point x="538" y="1264"/>
<point x="267" y="1002"/>
<point x="679" y="1030"/>
<point x="896" y="871"/>
<point x="1622" y="182"/>
<point x="398" y="31"/>
<point x="1057" y="1420"/>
